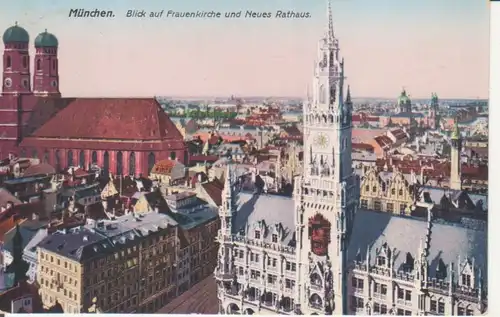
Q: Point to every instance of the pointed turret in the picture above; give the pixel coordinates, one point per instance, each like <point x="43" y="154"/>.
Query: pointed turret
<point x="18" y="267"/>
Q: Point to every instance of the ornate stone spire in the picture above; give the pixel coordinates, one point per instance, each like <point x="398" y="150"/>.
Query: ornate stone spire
<point x="330" y="33"/>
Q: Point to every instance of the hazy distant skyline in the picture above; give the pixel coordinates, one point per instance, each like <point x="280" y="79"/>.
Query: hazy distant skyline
<point x="423" y="45"/>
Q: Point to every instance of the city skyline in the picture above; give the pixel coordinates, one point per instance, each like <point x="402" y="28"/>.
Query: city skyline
<point x="266" y="57"/>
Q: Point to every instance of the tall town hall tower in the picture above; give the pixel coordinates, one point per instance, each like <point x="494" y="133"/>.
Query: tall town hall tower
<point x="327" y="194"/>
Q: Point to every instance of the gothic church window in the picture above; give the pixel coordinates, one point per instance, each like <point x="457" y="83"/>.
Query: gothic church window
<point x="70" y="158"/>
<point x="25" y="61"/>
<point x="8" y="62"/>
<point x="119" y="163"/>
<point x="106" y="161"/>
<point x="94" y="157"/>
<point x="275" y="238"/>
<point x="151" y="161"/>
<point x="34" y="154"/>
<point x="46" y="156"/>
<point x="81" y="159"/>
<point x="131" y="164"/>
<point x="38" y="65"/>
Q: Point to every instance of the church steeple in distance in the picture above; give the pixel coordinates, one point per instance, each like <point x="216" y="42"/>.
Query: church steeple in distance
<point x="19" y="267"/>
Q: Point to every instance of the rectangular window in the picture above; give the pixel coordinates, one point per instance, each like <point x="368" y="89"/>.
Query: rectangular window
<point x="357" y="283"/>
<point x="377" y="205"/>
<point x="408" y="295"/>
<point x="401" y="293"/>
<point x="241" y="254"/>
<point x="441" y="308"/>
<point x="275" y="238"/>
<point x="376" y="308"/>
<point x="433" y="306"/>
<point x="408" y="313"/>
<point x="383" y="309"/>
<point x="257" y="234"/>
<point x="390" y="207"/>
<point x="357" y="302"/>
<point x="364" y="203"/>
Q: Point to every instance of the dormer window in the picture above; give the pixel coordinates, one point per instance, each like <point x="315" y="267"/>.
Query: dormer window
<point x="381" y="260"/>
<point x="275" y="238"/>
<point x="257" y="234"/>
<point x="466" y="280"/>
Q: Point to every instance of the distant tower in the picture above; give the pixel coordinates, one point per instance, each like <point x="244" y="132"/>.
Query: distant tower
<point x="404" y="102"/>
<point x="456" y="149"/>
<point x="46" y="74"/>
<point x="16" y="61"/>
<point x="433" y="111"/>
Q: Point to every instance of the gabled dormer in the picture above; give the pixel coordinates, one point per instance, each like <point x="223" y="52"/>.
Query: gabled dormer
<point x="277" y="233"/>
<point x="384" y="256"/>
<point x="260" y="230"/>
<point x="466" y="277"/>
<point x="316" y="275"/>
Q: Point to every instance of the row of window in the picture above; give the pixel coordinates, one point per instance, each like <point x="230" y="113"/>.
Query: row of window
<point x="375" y="189"/>
<point x="273" y="262"/>
<point x="56" y="261"/>
<point x="377" y="206"/>
<point x="25" y="62"/>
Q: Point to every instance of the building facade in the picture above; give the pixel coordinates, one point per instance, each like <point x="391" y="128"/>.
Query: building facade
<point x="134" y="263"/>
<point x="318" y="253"/>
<point x="124" y="135"/>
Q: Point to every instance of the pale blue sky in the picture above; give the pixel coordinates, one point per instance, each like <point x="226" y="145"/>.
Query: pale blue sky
<point x="424" y="45"/>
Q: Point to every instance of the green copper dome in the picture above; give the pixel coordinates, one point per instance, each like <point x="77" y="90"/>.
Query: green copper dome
<point x="46" y="39"/>
<point x="15" y="34"/>
<point x="403" y="98"/>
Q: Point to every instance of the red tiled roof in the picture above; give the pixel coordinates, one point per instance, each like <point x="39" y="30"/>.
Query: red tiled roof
<point x="111" y="118"/>
<point x="398" y="134"/>
<point x="362" y="146"/>
<point x="214" y="190"/>
<point x="39" y="169"/>
<point x="163" y="167"/>
<point x="383" y="140"/>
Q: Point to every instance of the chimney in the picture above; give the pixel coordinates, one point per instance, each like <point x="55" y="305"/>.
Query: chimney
<point x="157" y="210"/>
<point x="34" y="216"/>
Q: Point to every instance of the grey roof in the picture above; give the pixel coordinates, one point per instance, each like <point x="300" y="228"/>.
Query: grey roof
<point x="268" y="210"/>
<point x="97" y="239"/>
<point x="449" y="242"/>
<point x="194" y="215"/>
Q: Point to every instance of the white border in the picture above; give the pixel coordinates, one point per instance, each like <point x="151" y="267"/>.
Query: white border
<point x="494" y="170"/>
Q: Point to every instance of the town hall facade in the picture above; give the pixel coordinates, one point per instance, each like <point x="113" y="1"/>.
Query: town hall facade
<point x="319" y="253"/>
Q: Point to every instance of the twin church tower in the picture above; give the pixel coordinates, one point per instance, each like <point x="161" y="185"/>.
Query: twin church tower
<point x="16" y="76"/>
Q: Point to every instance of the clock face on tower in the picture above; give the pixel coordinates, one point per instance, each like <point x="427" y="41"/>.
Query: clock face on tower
<point x="321" y="140"/>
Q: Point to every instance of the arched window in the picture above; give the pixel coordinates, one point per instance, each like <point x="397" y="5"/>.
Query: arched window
<point x="151" y="161"/>
<point x="58" y="160"/>
<point x="8" y="62"/>
<point x="25" y="61"/>
<point x="34" y="154"/>
<point x="106" y="161"/>
<point x="186" y="157"/>
<point x="322" y="94"/>
<point x="131" y="164"/>
<point x="94" y="157"/>
<point x="119" y="163"/>
<point x="70" y="158"/>
<point x="38" y="64"/>
<point x="54" y="63"/>
<point x="81" y="159"/>
<point x="172" y="155"/>
<point x="46" y="156"/>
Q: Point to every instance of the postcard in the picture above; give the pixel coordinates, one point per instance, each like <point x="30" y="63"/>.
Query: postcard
<point x="244" y="157"/>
